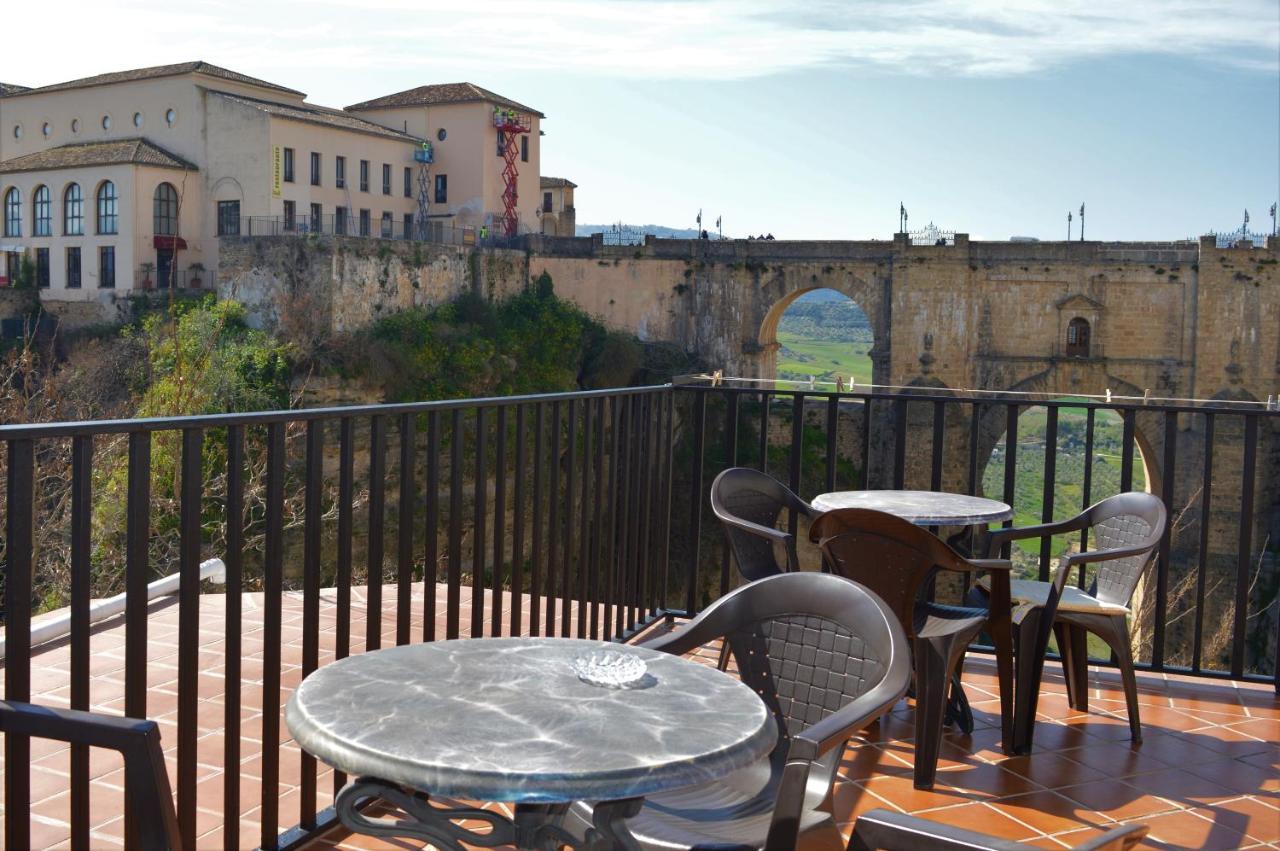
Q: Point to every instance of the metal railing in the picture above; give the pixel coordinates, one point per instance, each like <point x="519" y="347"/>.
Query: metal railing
<point x="596" y="501"/>
<point x="351" y="224"/>
<point x="1210" y="606"/>
<point x="559" y="500"/>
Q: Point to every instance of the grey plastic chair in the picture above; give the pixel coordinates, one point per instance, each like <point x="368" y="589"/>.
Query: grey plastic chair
<point x="898" y="560"/>
<point x="749" y="503"/>
<point x="885" y="830"/>
<point x="137" y="740"/>
<point x="827" y="657"/>
<point x="1124" y="532"/>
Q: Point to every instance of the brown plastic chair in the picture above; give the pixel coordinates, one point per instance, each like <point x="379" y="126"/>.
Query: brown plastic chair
<point x="749" y="503"/>
<point x="1124" y="531"/>
<point x="137" y="740"/>
<point x="827" y="657"/>
<point x="885" y="830"/>
<point x="898" y="560"/>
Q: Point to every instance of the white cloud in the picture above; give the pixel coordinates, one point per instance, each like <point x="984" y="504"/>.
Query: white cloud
<point x="679" y="39"/>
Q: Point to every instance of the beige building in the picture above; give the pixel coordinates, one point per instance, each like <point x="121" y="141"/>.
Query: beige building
<point x="127" y="180"/>
<point x="458" y="119"/>
<point x="558" y="215"/>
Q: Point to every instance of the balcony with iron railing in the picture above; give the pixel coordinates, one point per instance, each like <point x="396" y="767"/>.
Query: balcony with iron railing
<point x="586" y="514"/>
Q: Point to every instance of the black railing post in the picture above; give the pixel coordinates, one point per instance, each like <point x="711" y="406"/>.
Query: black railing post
<point x="1244" y="549"/>
<point x="189" y="630"/>
<point x="696" y="498"/>
<point x="19" y="543"/>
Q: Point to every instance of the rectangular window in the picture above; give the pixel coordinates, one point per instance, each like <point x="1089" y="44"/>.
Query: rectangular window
<point x="340" y="221"/>
<point x="107" y="267"/>
<point x="288" y="165"/>
<point x="290" y="210"/>
<point x="13" y="213"/>
<point x="442" y="189"/>
<point x="408" y="182"/>
<point x="42" y="267"/>
<point x="340" y="172"/>
<point x="73" y="268"/>
<point x="524" y="149"/>
<point x="386" y="179"/>
<point x="546" y="202"/>
<point x="408" y="226"/>
<point x="386" y="226"/>
<point x="228" y="218"/>
<point x="364" y="175"/>
<point x="502" y="142"/>
<point x="315" y="169"/>
<point x="364" y="222"/>
<point x="316" y="216"/>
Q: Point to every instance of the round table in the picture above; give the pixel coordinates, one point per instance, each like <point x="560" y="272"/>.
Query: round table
<point x="924" y="508"/>
<point x="507" y="719"/>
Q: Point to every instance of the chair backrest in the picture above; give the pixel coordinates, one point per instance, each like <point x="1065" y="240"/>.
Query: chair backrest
<point x="741" y="493"/>
<point x="1134" y="519"/>
<point x="809" y="644"/>
<point x="891" y="556"/>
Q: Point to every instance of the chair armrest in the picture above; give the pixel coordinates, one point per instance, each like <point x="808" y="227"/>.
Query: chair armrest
<point x="756" y="529"/>
<point x="973" y="565"/>
<point x="837" y="727"/>
<point x="997" y="538"/>
<point x="73" y="726"/>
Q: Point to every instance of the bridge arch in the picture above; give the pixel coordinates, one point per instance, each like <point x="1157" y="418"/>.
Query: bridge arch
<point x="860" y="292"/>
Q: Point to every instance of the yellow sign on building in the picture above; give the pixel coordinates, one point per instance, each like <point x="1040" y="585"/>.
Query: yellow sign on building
<point x="277" y="170"/>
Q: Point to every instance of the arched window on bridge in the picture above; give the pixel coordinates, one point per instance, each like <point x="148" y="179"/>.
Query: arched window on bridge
<point x="1078" y="338"/>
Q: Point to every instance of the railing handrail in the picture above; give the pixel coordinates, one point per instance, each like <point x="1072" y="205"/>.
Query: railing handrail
<point x="959" y="396"/>
<point x="28" y="431"/>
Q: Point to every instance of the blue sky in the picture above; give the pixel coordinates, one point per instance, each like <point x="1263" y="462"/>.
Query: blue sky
<point x="807" y="119"/>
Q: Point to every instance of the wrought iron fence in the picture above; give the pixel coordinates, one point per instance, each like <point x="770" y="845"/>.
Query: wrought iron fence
<point x="1232" y="238"/>
<point x="522" y="508"/>
<point x="558" y="501"/>
<point x="932" y="235"/>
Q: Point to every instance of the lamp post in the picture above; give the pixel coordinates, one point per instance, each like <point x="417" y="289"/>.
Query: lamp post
<point x="1068" y="226"/>
<point x="1082" y="221"/>
<point x="1273" y="219"/>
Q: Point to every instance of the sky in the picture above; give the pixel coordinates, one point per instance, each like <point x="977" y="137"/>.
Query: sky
<point x="808" y="119"/>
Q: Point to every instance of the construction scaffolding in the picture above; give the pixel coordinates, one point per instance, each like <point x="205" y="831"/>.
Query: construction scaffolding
<point x="424" y="157"/>
<point x="511" y="125"/>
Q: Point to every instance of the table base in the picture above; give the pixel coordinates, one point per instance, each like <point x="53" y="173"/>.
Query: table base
<point x="536" y="827"/>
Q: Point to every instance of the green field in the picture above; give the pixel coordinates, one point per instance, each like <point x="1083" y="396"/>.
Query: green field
<point x="800" y="358"/>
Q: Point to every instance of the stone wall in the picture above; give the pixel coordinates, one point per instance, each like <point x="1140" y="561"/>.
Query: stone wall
<point x="337" y="284"/>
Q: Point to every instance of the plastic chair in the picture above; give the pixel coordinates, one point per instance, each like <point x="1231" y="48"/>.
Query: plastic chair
<point x="884" y="830"/>
<point x="827" y="657"/>
<point x="749" y="503"/>
<point x="1124" y="531"/>
<point x="898" y="561"/>
<point x="138" y="741"/>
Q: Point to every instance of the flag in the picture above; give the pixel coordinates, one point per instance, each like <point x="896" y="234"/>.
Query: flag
<point x="1082" y="211"/>
<point x="699" y="218"/>
<point x="718" y="222"/>
<point x="1246" y="217"/>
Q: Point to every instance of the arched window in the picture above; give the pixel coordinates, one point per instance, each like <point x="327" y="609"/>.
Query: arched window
<point x="13" y="212"/>
<point x="108" y="208"/>
<point x="166" y="210"/>
<point x="1078" y="338"/>
<point x="42" y="207"/>
<point x="73" y="211"/>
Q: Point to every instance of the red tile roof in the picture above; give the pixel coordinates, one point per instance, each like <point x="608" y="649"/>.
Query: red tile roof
<point x="323" y="115"/>
<point x="442" y="93"/>
<point x="81" y="154"/>
<point x="197" y="67"/>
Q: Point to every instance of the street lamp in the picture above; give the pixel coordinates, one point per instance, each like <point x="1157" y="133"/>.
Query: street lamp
<point x="1068" y="226"/>
<point x="1082" y="221"/>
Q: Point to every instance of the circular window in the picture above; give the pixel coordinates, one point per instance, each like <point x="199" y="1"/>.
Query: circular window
<point x="75" y="125"/>
<point x="441" y="134"/>
<point x="106" y="122"/>
<point x="170" y="116"/>
<point x="137" y="119"/>
<point x="47" y="129"/>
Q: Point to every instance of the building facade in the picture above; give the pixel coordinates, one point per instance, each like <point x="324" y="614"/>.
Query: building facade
<point x="559" y="218"/>
<point x="127" y="180"/>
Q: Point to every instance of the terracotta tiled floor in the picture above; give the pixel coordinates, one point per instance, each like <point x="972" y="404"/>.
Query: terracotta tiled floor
<point x="1207" y="774"/>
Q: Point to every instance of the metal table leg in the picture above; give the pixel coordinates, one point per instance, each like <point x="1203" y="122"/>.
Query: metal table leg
<point x="536" y="827"/>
